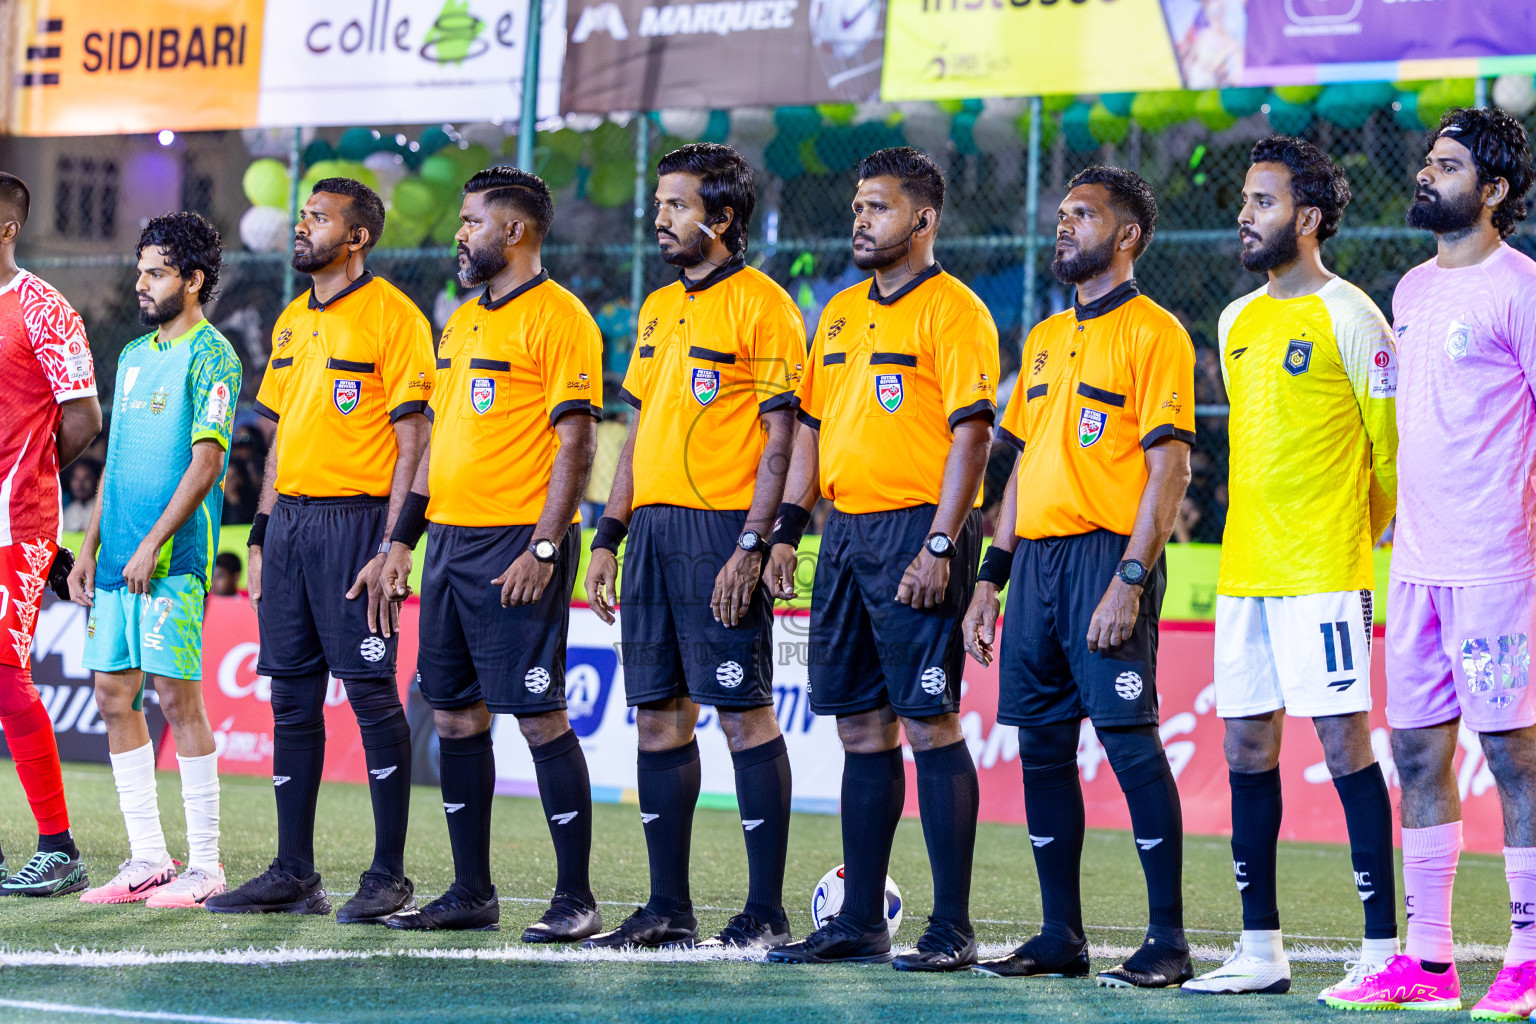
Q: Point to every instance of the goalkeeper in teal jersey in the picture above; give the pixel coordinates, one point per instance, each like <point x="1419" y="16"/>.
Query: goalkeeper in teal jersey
<point x="148" y="555"/>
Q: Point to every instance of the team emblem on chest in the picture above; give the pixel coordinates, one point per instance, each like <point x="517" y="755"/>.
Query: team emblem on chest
<point x="889" y="391"/>
<point x="1298" y="357"/>
<point x="159" y="400"/>
<point x="706" y="385"/>
<point x="482" y="394"/>
<point x="345" y="393"/>
<point x="1090" y="427"/>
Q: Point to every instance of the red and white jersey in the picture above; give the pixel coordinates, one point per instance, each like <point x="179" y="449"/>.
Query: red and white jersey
<point x="44" y="360"/>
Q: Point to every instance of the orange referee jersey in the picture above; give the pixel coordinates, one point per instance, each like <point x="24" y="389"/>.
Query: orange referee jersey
<point x="712" y="357"/>
<point x="340" y="375"/>
<point x="506" y="371"/>
<point x="1100" y="384"/>
<point x="888" y="379"/>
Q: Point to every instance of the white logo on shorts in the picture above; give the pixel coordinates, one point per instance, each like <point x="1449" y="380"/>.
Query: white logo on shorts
<point x="933" y="681"/>
<point x="1128" y="685"/>
<point x="729" y="674"/>
<point x="372" y="649"/>
<point x="537" y="680"/>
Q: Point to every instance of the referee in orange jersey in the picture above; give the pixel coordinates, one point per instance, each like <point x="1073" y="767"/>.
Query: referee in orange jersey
<point x="1103" y="420"/>
<point x="348" y="384"/>
<point x="896" y="409"/>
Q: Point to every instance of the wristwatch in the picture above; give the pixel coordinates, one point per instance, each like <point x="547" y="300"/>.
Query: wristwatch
<point x="1132" y="573"/>
<point x="384" y="548"/>
<point x="940" y="546"/>
<point x="545" y="551"/>
<point x="752" y="542"/>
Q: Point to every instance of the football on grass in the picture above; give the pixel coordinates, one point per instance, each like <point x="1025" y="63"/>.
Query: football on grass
<point x="828" y="900"/>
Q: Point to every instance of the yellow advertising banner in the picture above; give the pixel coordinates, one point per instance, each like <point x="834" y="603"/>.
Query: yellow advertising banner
<point x="954" y="49"/>
<point x="92" y="67"/>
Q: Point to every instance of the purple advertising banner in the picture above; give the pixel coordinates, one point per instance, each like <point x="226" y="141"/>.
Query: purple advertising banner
<point x="1286" y="33"/>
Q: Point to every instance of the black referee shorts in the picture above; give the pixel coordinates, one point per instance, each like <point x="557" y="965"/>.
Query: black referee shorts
<point x="866" y="649"/>
<point x="1046" y="672"/>
<point x="473" y="649"/>
<point x="314" y="549"/>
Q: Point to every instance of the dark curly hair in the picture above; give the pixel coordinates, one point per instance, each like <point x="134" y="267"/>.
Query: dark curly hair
<point x="1500" y="148"/>
<point x="725" y="180"/>
<point x="511" y="187"/>
<point x="14" y="194"/>
<point x="366" y="210"/>
<point x="1129" y="196"/>
<point x="1315" y="179"/>
<point x="920" y="177"/>
<point x="190" y="243"/>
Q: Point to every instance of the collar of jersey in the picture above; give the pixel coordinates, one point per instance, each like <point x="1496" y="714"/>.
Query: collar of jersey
<point x="1108" y="302"/>
<point x="731" y="266"/>
<point x="367" y="278"/>
<point x="166" y="346"/>
<point x="933" y="271"/>
<point x="528" y="285"/>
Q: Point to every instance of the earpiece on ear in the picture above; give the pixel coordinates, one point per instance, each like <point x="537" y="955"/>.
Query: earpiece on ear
<point x="922" y="223"/>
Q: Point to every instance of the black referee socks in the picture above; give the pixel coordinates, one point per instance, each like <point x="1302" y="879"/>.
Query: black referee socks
<point x="1256" y="810"/>
<point x="468" y="771"/>
<point x="874" y="789"/>
<point x="1053" y="811"/>
<point x="763" y="795"/>
<point x="298" y="759"/>
<point x="669" y="791"/>
<point x="949" y="799"/>
<point x="566" y="792"/>
<point x="1368" y="816"/>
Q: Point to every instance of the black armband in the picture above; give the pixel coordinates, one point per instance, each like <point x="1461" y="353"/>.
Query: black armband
<point x="610" y="534"/>
<point x="411" y="523"/>
<point x="790" y="525"/>
<point x="258" y="530"/>
<point x="996" y="567"/>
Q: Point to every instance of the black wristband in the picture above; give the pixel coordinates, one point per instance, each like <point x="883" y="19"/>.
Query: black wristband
<point x="258" y="530"/>
<point x="790" y="525"/>
<point x="996" y="567"/>
<point x="412" y="521"/>
<point x="610" y="533"/>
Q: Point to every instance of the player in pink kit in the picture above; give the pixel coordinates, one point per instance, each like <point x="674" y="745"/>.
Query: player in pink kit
<point x="48" y="415"/>
<point x="1462" y="601"/>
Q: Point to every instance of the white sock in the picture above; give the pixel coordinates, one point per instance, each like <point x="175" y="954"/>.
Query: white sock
<point x="134" y="773"/>
<point x="1264" y="945"/>
<point x="200" y="798"/>
<point x="1379" y="951"/>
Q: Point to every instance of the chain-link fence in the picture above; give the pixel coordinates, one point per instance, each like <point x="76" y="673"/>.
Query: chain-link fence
<point x="800" y="238"/>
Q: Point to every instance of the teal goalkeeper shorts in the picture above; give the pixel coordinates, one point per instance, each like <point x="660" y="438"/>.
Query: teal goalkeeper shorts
<point x="160" y="632"/>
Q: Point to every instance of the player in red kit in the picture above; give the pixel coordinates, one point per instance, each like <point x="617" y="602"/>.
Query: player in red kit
<point x="48" y="415"/>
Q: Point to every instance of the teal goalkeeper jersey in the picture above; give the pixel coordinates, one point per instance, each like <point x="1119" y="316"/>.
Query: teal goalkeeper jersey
<point x="169" y="396"/>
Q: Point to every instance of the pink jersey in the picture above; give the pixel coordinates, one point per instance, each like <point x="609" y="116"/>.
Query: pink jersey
<point x="44" y="360"/>
<point x="1466" y="422"/>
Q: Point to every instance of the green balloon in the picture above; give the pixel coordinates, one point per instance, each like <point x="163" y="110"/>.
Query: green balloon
<point x="1299" y="95"/>
<point x="611" y="184"/>
<point x="1438" y="97"/>
<point x="1211" y="112"/>
<point x="1405" y="111"/>
<point x="1118" y="103"/>
<point x="557" y="169"/>
<point x="414" y="200"/>
<point x="962" y="133"/>
<point x="1057" y="104"/>
<point x="609" y="141"/>
<point x="1350" y="104"/>
<point x="1048" y="128"/>
<point x="1074" y="125"/>
<point x="782" y="157"/>
<point x="718" y="129"/>
<point x="317" y="151"/>
<point x="357" y="143"/>
<point x="266" y="183"/>
<point x="1106" y="126"/>
<point x="443" y="174"/>
<point x="1158" y="111"/>
<point x="1288" y="118"/>
<point x="402" y="232"/>
<point x="1244" y="102"/>
<point x="471" y="160"/>
<point x="445" y="227"/>
<point x="796" y="124"/>
<point x="432" y="140"/>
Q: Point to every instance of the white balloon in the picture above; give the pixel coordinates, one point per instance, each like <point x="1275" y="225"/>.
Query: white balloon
<point x="487" y="133"/>
<point x="996" y="133"/>
<point x="273" y="142"/>
<point x="926" y="127"/>
<point x="752" y="126"/>
<point x="1010" y="107"/>
<point x="265" y="229"/>
<point x="876" y="112"/>
<point x="685" y="124"/>
<point x="388" y="168"/>
<point x="1515" y="94"/>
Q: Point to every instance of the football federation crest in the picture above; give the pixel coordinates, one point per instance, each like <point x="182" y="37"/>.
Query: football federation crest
<point x="158" y="401"/>
<point x="482" y="394"/>
<point x="1090" y="426"/>
<point x="889" y="391"/>
<point x="1298" y="357"/>
<point x="345" y="393"/>
<point x="706" y="385"/>
<point x="1457" y="337"/>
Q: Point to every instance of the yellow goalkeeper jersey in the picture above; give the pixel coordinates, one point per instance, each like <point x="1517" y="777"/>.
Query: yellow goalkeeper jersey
<point x="1312" y="480"/>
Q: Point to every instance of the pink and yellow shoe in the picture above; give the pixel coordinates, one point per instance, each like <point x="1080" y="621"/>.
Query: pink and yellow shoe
<point x="135" y="880"/>
<point x="1401" y="985"/>
<point x="190" y="889"/>
<point x="1512" y="997"/>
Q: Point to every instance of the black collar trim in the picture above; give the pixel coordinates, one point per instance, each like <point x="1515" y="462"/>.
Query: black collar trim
<point x="528" y="285"/>
<point x="1108" y="302"/>
<point x="734" y="265"/>
<point x="367" y="278"/>
<point x="934" y="270"/>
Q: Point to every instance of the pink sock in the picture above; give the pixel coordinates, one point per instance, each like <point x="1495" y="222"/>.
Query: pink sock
<point x="1429" y="872"/>
<point x="1520" y="869"/>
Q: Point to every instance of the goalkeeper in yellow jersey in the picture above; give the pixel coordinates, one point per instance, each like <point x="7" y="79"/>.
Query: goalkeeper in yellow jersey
<point x="1311" y="374"/>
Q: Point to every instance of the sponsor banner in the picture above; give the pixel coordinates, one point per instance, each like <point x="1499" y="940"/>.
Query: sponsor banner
<point x="651" y="54"/>
<point x="1294" y="40"/>
<point x="348" y="62"/>
<point x="64" y="684"/>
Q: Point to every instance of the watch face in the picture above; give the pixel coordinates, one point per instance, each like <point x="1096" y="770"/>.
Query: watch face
<point x="544" y="549"/>
<point x="1133" y="572"/>
<point x="749" y="540"/>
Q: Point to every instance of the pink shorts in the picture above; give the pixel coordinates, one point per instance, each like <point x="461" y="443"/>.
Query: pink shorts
<point x="1460" y="651"/>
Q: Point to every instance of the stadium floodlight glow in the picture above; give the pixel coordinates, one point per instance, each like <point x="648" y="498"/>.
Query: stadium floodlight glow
<point x="166" y="136"/>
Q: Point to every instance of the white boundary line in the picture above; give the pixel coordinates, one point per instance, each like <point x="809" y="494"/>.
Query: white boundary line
<point x="107" y="1011"/>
